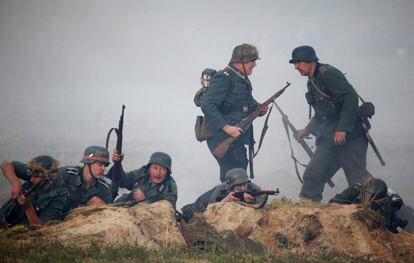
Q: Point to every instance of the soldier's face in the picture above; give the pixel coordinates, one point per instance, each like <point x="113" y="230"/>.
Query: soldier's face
<point x="35" y="179"/>
<point x="249" y="67"/>
<point x="98" y="169"/>
<point x="240" y="187"/>
<point x="157" y="173"/>
<point x="304" y="68"/>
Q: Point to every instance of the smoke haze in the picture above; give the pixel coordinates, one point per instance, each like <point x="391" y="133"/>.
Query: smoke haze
<point x="66" y="67"/>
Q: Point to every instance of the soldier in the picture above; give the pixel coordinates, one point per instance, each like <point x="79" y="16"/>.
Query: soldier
<point x="227" y="101"/>
<point x="236" y="181"/>
<point x="150" y="183"/>
<point x="375" y="193"/>
<point x="42" y="196"/>
<point x="340" y="139"/>
<point x="85" y="184"/>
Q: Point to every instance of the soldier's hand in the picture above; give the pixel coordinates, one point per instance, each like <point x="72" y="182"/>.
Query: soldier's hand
<point x="263" y="110"/>
<point x="138" y="195"/>
<point x="248" y="198"/>
<point x="15" y="190"/>
<point x="95" y="201"/>
<point x="230" y="198"/>
<point x="340" y="138"/>
<point x="21" y="199"/>
<point x="232" y="131"/>
<point x="117" y="157"/>
<point x="302" y="133"/>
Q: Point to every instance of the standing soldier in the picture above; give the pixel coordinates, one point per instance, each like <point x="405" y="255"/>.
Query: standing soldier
<point x="85" y="184"/>
<point x="227" y="101"/>
<point x="340" y="139"/>
<point x="150" y="183"/>
<point x="42" y="196"/>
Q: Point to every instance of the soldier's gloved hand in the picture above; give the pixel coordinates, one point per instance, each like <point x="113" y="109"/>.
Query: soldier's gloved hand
<point x="15" y="190"/>
<point x="116" y="157"/>
<point x="95" y="201"/>
<point x="340" y="138"/>
<point x="302" y="133"/>
<point x="230" y="198"/>
<point x="232" y="131"/>
<point x="138" y="194"/>
<point x="248" y="198"/>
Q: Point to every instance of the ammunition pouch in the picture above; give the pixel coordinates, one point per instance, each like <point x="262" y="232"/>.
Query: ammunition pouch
<point x="202" y="129"/>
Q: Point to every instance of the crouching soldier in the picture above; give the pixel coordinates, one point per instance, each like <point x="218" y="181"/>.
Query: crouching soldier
<point x="85" y="184"/>
<point x="378" y="196"/>
<point x="40" y="199"/>
<point x="236" y="188"/>
<point x="150" y="183"/>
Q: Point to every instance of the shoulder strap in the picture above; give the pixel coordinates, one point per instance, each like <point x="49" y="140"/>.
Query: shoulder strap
<point x="324" y="94"/>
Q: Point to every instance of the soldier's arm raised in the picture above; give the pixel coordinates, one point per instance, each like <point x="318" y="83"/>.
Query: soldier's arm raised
<point x="9" y="172"/>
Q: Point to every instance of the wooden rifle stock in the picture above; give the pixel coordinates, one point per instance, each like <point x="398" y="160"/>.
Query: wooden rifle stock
<point x="224" y="146"/>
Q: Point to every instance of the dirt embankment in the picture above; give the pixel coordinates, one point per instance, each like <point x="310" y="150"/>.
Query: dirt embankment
<point x="303" y="228"/>
<point x="282" y="227"/>
<point x="149" y="225"/>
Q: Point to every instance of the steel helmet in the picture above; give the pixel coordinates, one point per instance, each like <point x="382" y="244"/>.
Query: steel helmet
<point x="95" y="154"/>
<point x="244" y="53"/>
<point x="303" y="53"/>
<point x="236" y="176"/>
<point x="161" y="159"/>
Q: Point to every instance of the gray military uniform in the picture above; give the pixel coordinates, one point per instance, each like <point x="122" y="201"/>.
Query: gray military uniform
<point x="48" y="199"/>
<point x="139" y="178"/>
<point x="78" y="194"/>
<point x="228" y="100"/>
<point x="335" y="103"/>
<point x="222" y="190"/>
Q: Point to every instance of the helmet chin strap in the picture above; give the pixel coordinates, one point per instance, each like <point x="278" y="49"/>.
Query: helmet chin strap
<point x="244" y="71"/>
<point x="90" y="171"/>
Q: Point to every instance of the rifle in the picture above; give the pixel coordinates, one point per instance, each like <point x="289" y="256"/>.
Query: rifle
<point x="301" y="141"/>
<point x="117" y="168"/>
<point x="366" y="126"/>
<point x="11" y="213"/>
<point x="254" y="193"/>
<point x="224" y="146"/>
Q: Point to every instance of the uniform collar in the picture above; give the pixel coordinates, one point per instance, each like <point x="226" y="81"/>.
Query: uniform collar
<point x="315" y="73"/>
<point x="237" y="72"/>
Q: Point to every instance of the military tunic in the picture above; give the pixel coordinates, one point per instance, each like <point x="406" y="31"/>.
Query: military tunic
<point x="228" y="100"/>
<point x="78" y="194"/>
<point x="48" y="199"/>
<point x="139" y="178"/>
<point x="335" y="103"/>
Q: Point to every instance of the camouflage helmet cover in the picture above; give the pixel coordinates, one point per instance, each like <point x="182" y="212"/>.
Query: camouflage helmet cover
<point x="236" y="176"/>
<point x="43" y="166"/>
<point x="161" y="158"/>
<point x="95" y="154"/>
<point x="303" y="53"/>
<point x="244" y="53"/>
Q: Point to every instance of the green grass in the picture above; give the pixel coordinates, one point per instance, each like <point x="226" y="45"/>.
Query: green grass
<point x="56" y="252"/>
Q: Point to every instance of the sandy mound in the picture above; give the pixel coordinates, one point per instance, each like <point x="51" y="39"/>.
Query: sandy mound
<point x="301" y="228"/>
<point x="150" y="225"/>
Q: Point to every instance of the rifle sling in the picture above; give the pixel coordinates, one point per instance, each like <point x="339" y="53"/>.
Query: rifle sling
<point x="252" y="153"/>
<point x="292" y="154"/>
<point x="264" y="130"/>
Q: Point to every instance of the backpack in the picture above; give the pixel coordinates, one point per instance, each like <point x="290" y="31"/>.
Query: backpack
<point x="202" y="128"/>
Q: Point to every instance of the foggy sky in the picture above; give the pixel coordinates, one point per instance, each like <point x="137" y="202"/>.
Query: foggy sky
<point x="66" y="67"/>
